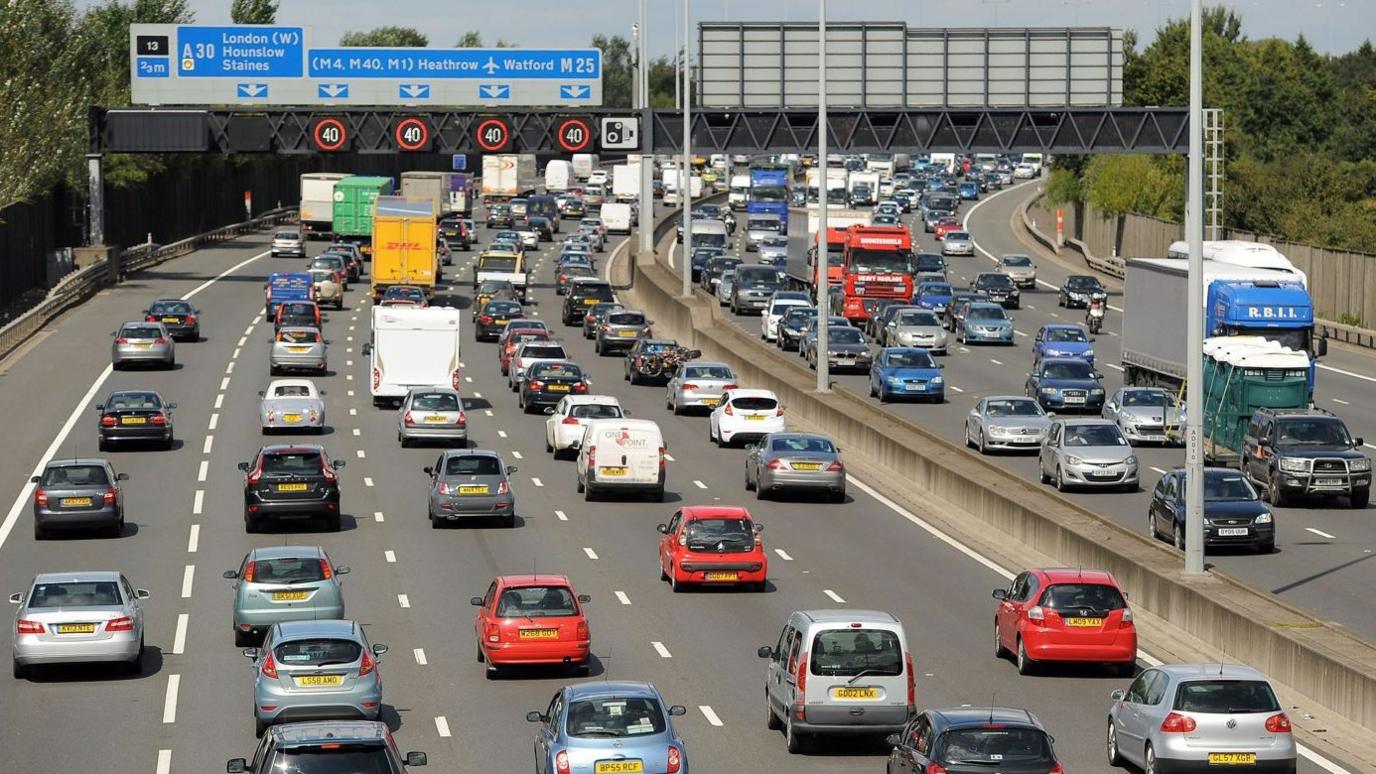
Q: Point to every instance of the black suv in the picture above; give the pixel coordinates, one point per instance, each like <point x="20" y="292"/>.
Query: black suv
<point x="999" y="288"/>
<point x="973" y="739"/>
<point x="455" y="233"/>
<point x="288" y="481"/>
<point x="1297" y="452"/>
<point x="355" y="745"/>
<point x="581" y="296"/>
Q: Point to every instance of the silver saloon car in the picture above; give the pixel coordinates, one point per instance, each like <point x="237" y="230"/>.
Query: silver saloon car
<point x="315" y="670"/>
<point x="470" y="483"/>
<point x="1146" y="415"/>
<point x="78" y="618"/>
<point x="1089" y="452"/>
<point x="291" y="404"/>
<point x="432" y="414"/>
<point x="698" y="383"/>
<point x="790" y="461"/>
<point x="958" y="243"/>
<point x="1006" y="422"/>
<point x="298" y="348"/>
<point x="142" y="343"/>
<point x="284" y="583"/>
<point x="1020" y="269"/>
<point x="915" y="327"/>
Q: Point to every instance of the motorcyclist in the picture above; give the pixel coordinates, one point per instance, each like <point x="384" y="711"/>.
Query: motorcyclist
<point x="1094" y="311"/>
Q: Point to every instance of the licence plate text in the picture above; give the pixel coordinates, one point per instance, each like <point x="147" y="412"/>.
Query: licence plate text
<point x="1084" y="623"/>
<point x="133" y="420"/>
<point x="539" y="634"/>
<point x="842" y="692"/>
<point x="84" y="628"/>
<point x="1329" y="482"/>
<point x="618" y="767"/>
<point x="721" y="575"/>
<point x="807" y="466"/>
<point x="1232" y="759"/>
<point x="1232" y="531"/>
<point x="317" y="681"/>
<point x="72" y="502"/>
<point x="474" y="490"/>
<point x="558" y="388"/>
<point x="289" y="596"/>
<point x="291" y="487"/>
<point x="291" y="417"/>
<point x="611" y="471"/>
<point x="436" y="419"/>
<point x="754" y="418"/>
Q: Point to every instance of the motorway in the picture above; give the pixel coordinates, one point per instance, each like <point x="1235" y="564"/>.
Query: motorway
<point x="191" y="709"/>
<point x="1323" y="561"/>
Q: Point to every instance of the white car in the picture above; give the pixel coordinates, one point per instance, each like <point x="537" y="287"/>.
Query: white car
<point x="778" y="307"/>
<point x="568" y="418"/>
<point x="291" y="404"/>
<point x="530" y="240"/>
<point x="598" y="177"/>
<point x="744" y="416"/>
<point x="1024" y="172"/>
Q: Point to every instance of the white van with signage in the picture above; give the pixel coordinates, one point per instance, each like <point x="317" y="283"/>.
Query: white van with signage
<point x="412" y="348"/>
<point x="621" y="455"/>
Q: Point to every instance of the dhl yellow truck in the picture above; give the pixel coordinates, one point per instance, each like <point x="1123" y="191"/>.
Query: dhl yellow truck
<point x="405" y="246"/>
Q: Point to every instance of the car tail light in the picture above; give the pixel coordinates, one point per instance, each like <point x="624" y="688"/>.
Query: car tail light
<point x="1278" y="724"/>
<point x="108" y="420"/>
<point x="639" y="361"/>
<point x="581" y="631"/>
<point x="377" y="378"/>
<point x="25" y="626"/>
<point x="778" y="412"/>
<point x="836" y="467"/>
<point x="580" y="387"/>
<point x="269" y="667"/>
<point x="272" y="414"/>
<point x="160" y="420"/>
<point x="254" y="475"/>
<point x="561" y="762"/>
<point x="462" y="420"/>
<point x="326" y="571"/>
<point x="727" y="409"/>
<point x="1175" y="723"/>
<point x="150" y="318"/>
<point x="675" y="759"/>
<point x="368" y="665"/>
<point x="647" y="331"/>
<point x="935" y="768"/>
<point x="592" y="456"/>
<point x="503" y="488"/>
<point x="484" y="318"/>
<point x="327" y="472"/>
<point x="494" y="632"/>
<point x="160" y="340"/>
<point x="122" y="624"/>
<point x="730" y="387"/>
<point x="407" y="418"/>
<point x="40" y="498"/>
<point x="1035" y="613"/>
<point x="191" y="319"/>
<point x="690" y="386"/>
<point x="249" y="570"/>
<point x="589" y="318"/>
<point x="314" y="415"/>
<point x="443" y="488"/>
<point x="121" y="340"/>
<point x="775" y="464"/>
<point x="1127" y="618"/>
<point x="109" y="497"/>
<point x="912" y="678"/>
<point x="800" y="683"/>
<point x="661" y="458"/>
<point x="569" y="421"/>
<point x="1057" y="768"/>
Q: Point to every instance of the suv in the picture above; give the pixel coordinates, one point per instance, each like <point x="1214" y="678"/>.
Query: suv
<point x="499" y="215"/>
<point x="1002" y="737"/>
<point x="1289" y="452"/>
<point x="359" y="745"/>
<point x="291" y="481"/>
<point x="582" y="294"/>
<point x="753" y="287"/>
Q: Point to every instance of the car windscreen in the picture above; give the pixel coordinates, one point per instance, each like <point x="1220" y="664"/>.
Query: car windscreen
<point x="497" y="264"/>
<point x="608" y="717"/>
<point x="996" y="281"/>
<point x="1017" y="261"/>
<point x="755" y="404"/>
<point x="140" y="332"/>
<point x="750" y="277"/>
<point x="536" y="601"/>
<point x="626" y="318"/>
<point x="1222" y="696"/>
<point x="1312" y="432"/>
<point x="1227" y="486"/>
<point x="60" y="476"/>
<point x="846" y="336"/>
<point x="287" y="569"/>
<point x="543" y="352"/>
<point x="1082" y="598"/>
<point x="917" y="318"/>
<point x="75" y="594"/>
<point x="935" y="289"/>
<point x="556" y="371"/>
<point x="706" y="534"/>
<point x="332" y="758"/>
<point x="302" y="463"/>
<point x="993" y="744"/>
<point x="328" y="262"/>
<point x="133" y="400"/>
<point x="598" y="290"/>
<point x="987" y="313"/>
<point x="802" y="445"/>
<point x="1083" y="283"/>
<point x="910" y="359"/>
<point x="1066" y="334"/>
<point x="865" y="261"/>
<point x="170" y="307"/>
<point x="1071" y="370"/>
<point x="851" y="652"/>
<point x="1094" y="435"/>
<point x="596" y="411"/>
<point x="1148" y="398"/>
<point x="317" y="652"/>
<point x="473" y="465"/>
<point x="707" y="372"/>
<point x="435" y="401"/>
<point x="1012" y="408"/>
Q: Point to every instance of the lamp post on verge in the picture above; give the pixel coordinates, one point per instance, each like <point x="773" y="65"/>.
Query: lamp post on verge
<point x="824" y="285"/>
<point x="1194" y="358"/>
<point x="646" y="215"/>
<point x="685" y="172"/>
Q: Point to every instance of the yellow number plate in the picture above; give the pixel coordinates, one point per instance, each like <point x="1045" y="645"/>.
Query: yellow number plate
<point x="611" y="471"/>
<point x="558" y="388"/>
<point x="1232" y="759"/>
<point x="842" y="692"/>
<point x="436" y="419"/>
<point x="807" y="466"/>
<point x="133" y="420"/>
<point x="291" y="417"/>
<point x="626" y="334"/>
<point x="289" y="596"/>
<point x="143" y="346"/>
<point x="618" y="767"/>
<point x="500" y="321"/>
<point x="85" y="628"/>
<point x="170" y="320"/>
<point x="320" y="681"/>
<point x="72" y="502"/>
<point x="721" y="575"/>
<point x="1084" y="623"/>
<point x="539" y="634"/>
<point x="590" y="302"/>
<point x="754" y="418"/>
<point x="711" y="401"/>
<point x="474" y="490"/>
<point x="291" y="487"/>
<point x="298" y="349"/>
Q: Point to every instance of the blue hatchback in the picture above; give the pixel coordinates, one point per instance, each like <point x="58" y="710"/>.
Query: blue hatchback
<point x="968" y="191"/>
<point x="609" y="726"/>
<point x="1063" y="340"/>
<point x="935" y="296"/>
<point x="906" y="372"/>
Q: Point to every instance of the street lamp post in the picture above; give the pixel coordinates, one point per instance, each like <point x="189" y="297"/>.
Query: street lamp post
<point x="823" y="285"/>
<point x="646" y="221"/>
<point x="685" y="172"/>
<point x="1194" y="358"/>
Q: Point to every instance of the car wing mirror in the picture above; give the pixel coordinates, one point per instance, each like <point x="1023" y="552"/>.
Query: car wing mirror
<point x="230" y="575"/>
<point x="262" y="393"/>
<point x="250" y="653"/>
<point x="142" y="594"/>
<point x="379" y="650"/>
<point x="243" y="466"/>
<point x="678" y="710"/>
<point x="236" y="766"/>
<point x="35" y="479"/>
<point x="893" y="740"/>
<point x="337" y="464"/>
<point x="171" y="406"/>
<point x="416" y="758"/>
<point x="510" y="469"/>
<point x="534" y="717"/>
<point x="662" y="529"/>
<point x="475" y="601"/>
<point x="1000" y="594"/>
<point x="342" y="570"/>
<point x="100" y="407"/>
<point x="1118" y="694"/>
<point x="549" y="410"/>
<point x="584" y="598"/>
<point x="17" y="598"/>
<point x="765" y="651"/>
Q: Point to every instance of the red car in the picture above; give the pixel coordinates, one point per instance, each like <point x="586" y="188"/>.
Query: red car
<point x="712" y="545"/>
<point x="532" y="619"/>
<point x="1065" y="614"/>
<point x="511" y="340"/>
<point x="946" y="226"/>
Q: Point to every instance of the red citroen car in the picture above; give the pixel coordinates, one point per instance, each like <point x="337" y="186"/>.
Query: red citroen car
<point x="1065" y="614"/>
<point x="712" y="545"/>
<point x="532" y="619"/>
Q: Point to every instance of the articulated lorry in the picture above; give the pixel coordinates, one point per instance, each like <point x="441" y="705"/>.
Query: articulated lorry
<point x="769" y="184"/>
<point x="508" y="175"/>
<point x="317" y="202"/>
<point x="355" y="198"/>
<point x="405" y="246"/>
<point x="448" y="192"/>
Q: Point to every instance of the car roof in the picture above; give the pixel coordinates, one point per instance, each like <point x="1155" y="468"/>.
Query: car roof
<point x="849" y="616"/>
<point x="715" y="512"/>
<point x="538" y="579"/>
<point x="434" y="388"/>
<point x="708" y="363"/>
<point x="753" y="393"/>
<point x="1213" y="670"/>
<point x="960" y="717"/>
<point x="1086" y="421"/>
<point x="322" y="628"/>
<point x="1063" y="326"/>
<point x="1062" y="361"/>
<point x="605" y="400"/>
<point x="328" y="732"/>
<point x="1075" y="575"/>
<point x="281" y="552"/>
<point x="472" y="453"/>
<point x="299" y="329"/>
<point x="984" y="305"/>
<point x="609" y="688"/>
<point x="277" y="448"/>
<point x="77" y="576"/>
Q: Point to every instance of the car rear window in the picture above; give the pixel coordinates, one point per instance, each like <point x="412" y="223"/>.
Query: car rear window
<point x="170" y="307"/>
<point x="707" y="372"/>
<point x="435" y="401"/>
<point x="333" y="757"/>
<point x="1094" y="435"/>
<point x="507" y="308"/>
<point x="75" y="594"/>
<point x="473" y="465"/>
<point x="75" y="475"/>
<point x="140" y="332"/>
<point x="1082" y="598"/>
<point x="596" y="411"/>
<point x="497" y="264"/>
<point x="402" y="292"/>
<point x="849" y="652"/>
<point x="626" y="318"/>
<point x="615" y="717"/>
<point x="541" y="352"/>
<point x="291" y="391"/>
<point x="133" y="400"/>
<point x="755" y="404"/>
<point x="1226" y="696"/>
<point x="802" y="445"/>
<point x="317" y="652"/>
<point x="298" y="337"/>
<point x="556" y="371"/>
<point x="535" y="601"/>
<point x="706" y="534"/>
<point x="993" y="744"/>
<point x="598" y="290"/>
<point x="327" y="262"/>
<point x="287" y="235"/>
<point x="288" y="569"/>
<point x="291" y="463"/>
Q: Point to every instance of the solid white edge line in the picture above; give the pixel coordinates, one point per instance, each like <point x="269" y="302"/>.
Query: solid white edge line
<point x="622" y="598"/>
<point x="1115" y="367"/>
<point x="169" y="704"/>
<point x="710" y="714"/>
<point x="179" y="639"/>
<point x="1352" y="374"/>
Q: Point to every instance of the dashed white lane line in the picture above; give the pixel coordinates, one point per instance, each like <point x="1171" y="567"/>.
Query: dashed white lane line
<point x="1020" y="333"/>
<point x="188" y="577"/>
<point x="214" y="419"/>
<point x="668" y="457"/>
<point x="834" y="596"/>
<point x="234" y="356"/>
<point x="348" y="377"/>
<point x="501" y="433"/>
<point x="390" y="556"/>
<point x="442" y="726"/>
<point x="699" y="484"/>
<point x="198" y="502"/>
<point x="517" y="455"/>
<point x="591" y="553"/>
<point x="488" y="412"/>
<point x="205" y="469"/>
<point x="660" y="649"/>
<point x="224" y="384"/>
<point x="209" y="443"/>
<point x="169" y="702"/>
<point x="353" y="412"/>
<point x="242" y="339"/>
<point x="478" y="395"/>
<point x="996" y="362"/>
<point x="351" y="393"/>
<point x="468" y="379"/>
<point x="1321" y="533"/>
<point x="367" y="481"/>
<point x="1158" y="470"/>
<point x="1115" y="367"/>
<point x="357" y="431"/>
<point x="348" y="362"/>
<point x="249" y="329"/>
<point x="711" y="715"/>
<point x="229" y="369"/>
<point x="403" y="600"/>
<point x="219" y="401"/>
<point x="783" y="554"/>
<point x="1053" y="314"/>
<point x="193" y="539"/>
<point x="419" y="653"/>
<point x="377" y="516"/>
<point x="953" y="387"/>
<point x="361" y="454"/>
<point x="1341" y="402"/>
<point x="536" y="481"/>
<point x="164" y="762"/>
<point x="179" y="639"/>
<point x="560" y="515"/>
<point x="622" y="598"/>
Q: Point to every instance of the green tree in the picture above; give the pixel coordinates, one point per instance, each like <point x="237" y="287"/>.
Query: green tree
<point x="386" y="37"/>
<point x="253" y="11"/>
<point x="618" y="72"/>
<point x="663" y="76"/>
<point x="474" y="39"/>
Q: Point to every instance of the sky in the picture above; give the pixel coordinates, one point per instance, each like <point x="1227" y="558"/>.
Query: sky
<point x="1333" y="26"/>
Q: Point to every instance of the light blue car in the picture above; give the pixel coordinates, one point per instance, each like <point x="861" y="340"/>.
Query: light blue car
<point x="609" y="726"/>
<point x="906" y="372"/>
<point x="1063" y="340"/>
<point x="984" y="323"/>
<point x="315" y="670"/>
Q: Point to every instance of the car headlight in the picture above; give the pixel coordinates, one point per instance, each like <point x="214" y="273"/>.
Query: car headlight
<point x="1048" y="391"/>
<point x="1293" y="465"/>
<point x="1073" y="460"/>
<point x="996" y="429"/>
<point x="1264" y="518"/>
<point x="1362" y="464"/>
<point x="895" y="380"/>
<point x="1131" y="460"/>
<point x="1097" y="391"/>
<point x="937" y="380"/>
<point x="1089" y="353"/>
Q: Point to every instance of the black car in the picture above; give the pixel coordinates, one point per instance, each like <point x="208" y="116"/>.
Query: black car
<point x="543" y="229"/>
<point x="327" y="745"/>
<point x="1233" y="512"/>
<point x="1303" y="452"/>
<point x="642" y="351"/>
<point x="715" y="267"/>
<point x="583" y="294"/>
<point x="1077" y="289"/>
<point x="182" y="321"/>
<point x="573" y="208"/>
<point x="962" y="740"/>
<point x="701" y="255"/>
<point x="135" y="415"/>
<point x="1065" y="384"/>
<point x="930" y="264"/>
<point x="999" y="288"/>
<point x="792" y="325"/>
<point x="455" y="233"/>
<point x="493" y="317"/>
<point x="291" y="482"/>
<point x="499" y="216"/>
<point x="546" y="383"/>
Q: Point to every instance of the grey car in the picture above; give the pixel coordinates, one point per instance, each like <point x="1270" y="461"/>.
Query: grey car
<point x="1089" y="452"/>
<point x="332" y="262"/>
<point x="288" y="243"/>
<point x="1200" y="717"/>
<point x="619" y="330"/>
<point x="432" y="414"/>
<point x="594" y="316"/>
<point x="329" y="745"/>
<point x="914" y="327"/>
<point x="135" y="416"/>
<point x="298" y="348"/>
<point x="78" y="618"/>
<point x="1020" y="269"/>
<point x="983" y="321"/>
<point x="958" y="243"/>
<point x="284" y="583"/>
<point x="724" y="284"/>
<point x="758" y="227"/>
<point x="82" y="493"/>
<point x="291" y="404"/>
<point x="787" y="461"/>
<point x="1007" y="423"/>
<point x="809" y="337"/>
<point x="846" y="348"/>
<point x="1145" y="415"/>
<point x="470" y="483"/>
<point x="774" y="250"/>
<point x="142" y="342"/>
<point x="315" y="670"/>
<point x="752" y="288"/>
<point x="698" y="383"/>
<point x="608" y="726"/>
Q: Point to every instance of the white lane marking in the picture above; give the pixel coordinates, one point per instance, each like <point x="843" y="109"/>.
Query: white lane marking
<point x="501" y="433"/>
<point x="1111" y="333"/>
<point x="188" y="576"/>
<point x="169" y="702"/>
<point x="348" y="362"/>
<point x="164" y="762"/>
<point x="487" y="412"/>
<point x="468" y="379"/>
<point x="353" y="412"/>
<point x="1053" y="314"/>
<point x="1341" y="401"/>
<point x="351" y="393"/>
<point x="995" y="362"/>
<point x="209" y="442"/>
<point x="591" y="553"/>
<point x="357" y="431"/>
<point x="234" y="356"/>
<point x="783" y="554"/>
<point x="1363" y="377"/>
<point x="215" y="418"/>
<point x="1158" y="470"/>
<point x="699" y="484"/>
<point x="442" y="726"/>
<point x="536" y="481"/>
<point x="710" y="714"/>
<point x="1020" y="333"/>
<point x="622" y="598"/>
<point x="242" y="339"/>
<point x="517" y="455"/>
<point x="193" y="539"/>
<point x="219" y="401"/>
<point x="205" y="468"/>
<point x="256" y="319"/>
<point x="198" y="502"/>
<point x="362" y="454"/>
<point x="224" y="384"/>
<point x="668" y="457"/>
<point x="229" y="369"/>
<point x="834" y="596"/>
<point x="403" y="600"/>
<point x="560" y="515"/>
<point x="660" y="649"/>
<point x="390" y="556"/>
<point x="377" y="516"/>
<point x="964" y="349"/>
<point x="367" y="481"/>
<point x="1321" y="533"/>
<point x="249" y="329"/>
<point x="1115" y="367"/>
<point x="477" y="395"/>
<point x="420" y="656"/>
<point x="957" y="389"/>
<point x="348" y="377"/>
<point x="179" y="639"/>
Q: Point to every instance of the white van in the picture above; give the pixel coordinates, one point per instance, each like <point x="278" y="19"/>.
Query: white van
<point x="412" y="348"/>
<point x="616" y="216"/>
<point x="621" y="455"/>
<point x="558" y="176"/>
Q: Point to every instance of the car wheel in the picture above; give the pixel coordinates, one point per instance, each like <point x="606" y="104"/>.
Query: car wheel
<point x="259" y="728"/>
<point x="795" y="742"/>
<point x="38" y="532"/>
<point x="1115" y="759"/>
<point x="1178" y="537"/>
<point x="549" y="447"/>
<point x="1126" y="669"/>
<point x="579" y="483"/>
<point x="242" y="639"/>
<point x="749" y="485"/>
<point x="117" y="529"/>
<point x="402" y="440"/>
<point x="135" y="665"/>
<point x="1060" y="480"/>
<point x="969" y="439"/>
<point x="1151" y="526"/>
<point x="999" y="650"/>
<point x="1149" y="760"/>
<point x="675" y="585"/>
<point x="760" y="492"/>
<point x="772" y="721"/>
<point x="582" y="670"/>
<point x="102" y="444"/>
<point x="839" y="496"/>
<point x="1026" y="666"/>
<point x="250" y="523"/>
<point x="981" y="446"/>
<point x="588" y="494"/>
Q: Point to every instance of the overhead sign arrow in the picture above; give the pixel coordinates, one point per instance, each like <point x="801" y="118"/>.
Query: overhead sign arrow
<point x="332" y="90"/>
<point x="574" y="91"/>
<point x="494" y="91"/>
<point x="415" y="90"/>
<point x="253" y="90"/>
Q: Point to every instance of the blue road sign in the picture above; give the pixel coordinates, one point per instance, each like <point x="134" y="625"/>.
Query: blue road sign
<point x="252" y="90"/>
<point x="460" y="63"/>
<point x="414" y="91"/>
<point x="459" y="162"/>
<point x="153" y="67"/>
<point x="332" y="90"/>
<point x="250" y="51"/>
<point x="575" y="91"/>
<point x="494" y="91"/>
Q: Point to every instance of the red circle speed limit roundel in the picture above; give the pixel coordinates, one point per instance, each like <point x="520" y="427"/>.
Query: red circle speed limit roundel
<point x="330" y="134"/>
<point x="412" y="134"/>
<point x="493" y="135"/>
<point x="574" y="135"/>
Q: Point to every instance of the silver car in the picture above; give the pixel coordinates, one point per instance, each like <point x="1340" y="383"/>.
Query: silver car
<point x="1088" y="452"/>
<point x="143" y="342"/>
<point x="470" y="483"/>
<point x="1020" y="269"/>
<point x="529" y="353"/>
<point x="298" y="348"/>
<point x="846" y="348"/>
<point x="315" y="670"/>
<point x="288" y="243"/>
<point x="284" y="583"/>
<point x="291" y="404"/>
<point x="619" y="330"/>
<point x="724" y="284"/>
<point x="1145" y="415"/>
<point x="759" y="227"/>
<point x="1200" y="717"/>
<point x="915" y="327"/>
<point x="1006" y="422"/>
<point x="698" y="383"/>
<point x="774" y="250"/>
<point x="432" y="414"/>
<point x="78" y="618"/>
<point x="784" y="461"/>
<point x="606" y="726"/>
<point x="958" y="243"/>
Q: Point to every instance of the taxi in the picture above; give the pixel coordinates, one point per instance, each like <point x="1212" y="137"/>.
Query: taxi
<point x="532" y="620"/>
<point x="711" y="545"/>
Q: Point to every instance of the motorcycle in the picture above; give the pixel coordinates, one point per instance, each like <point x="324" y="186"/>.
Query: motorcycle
<point x="666" y="362"/>
<point x="1094" y="312"/>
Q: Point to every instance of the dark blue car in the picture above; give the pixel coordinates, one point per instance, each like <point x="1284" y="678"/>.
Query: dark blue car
<point x="935" y="296"/>
<point x="968" y="191"/>
<point x="1065" y="384"/>
<point x="1233" y="511"/>
<point x="906" y="372"/>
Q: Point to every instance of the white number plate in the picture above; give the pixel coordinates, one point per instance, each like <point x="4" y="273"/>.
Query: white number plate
<point x="1232" y="531"/>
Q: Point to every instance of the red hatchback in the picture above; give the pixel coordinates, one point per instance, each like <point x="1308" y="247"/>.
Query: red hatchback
<point x="532" y="619"/>
<point x="711" y="545"/>
<point x="946" y="226"/>
<point x="1065" y="614"/>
